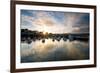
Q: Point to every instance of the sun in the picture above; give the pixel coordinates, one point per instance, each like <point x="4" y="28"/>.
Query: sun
<point x="44" y="33"/>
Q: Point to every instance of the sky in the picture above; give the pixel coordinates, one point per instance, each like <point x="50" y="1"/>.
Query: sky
<point x="55" y="21"/>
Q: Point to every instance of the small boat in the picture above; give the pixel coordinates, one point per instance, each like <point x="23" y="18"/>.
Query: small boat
<point x="29" y="40"/>
<point x="53" y="40"/>
<point x="71" y="38"/>
<point x="43" y="41"/>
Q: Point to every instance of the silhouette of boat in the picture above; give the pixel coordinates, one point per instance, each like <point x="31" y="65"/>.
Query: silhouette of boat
<point x="43" y="41"/>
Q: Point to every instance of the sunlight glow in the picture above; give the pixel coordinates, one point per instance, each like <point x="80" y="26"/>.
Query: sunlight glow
<point x="44" y="33"/>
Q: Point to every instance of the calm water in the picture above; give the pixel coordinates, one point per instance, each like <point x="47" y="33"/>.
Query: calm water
<point x="54" y="51"/>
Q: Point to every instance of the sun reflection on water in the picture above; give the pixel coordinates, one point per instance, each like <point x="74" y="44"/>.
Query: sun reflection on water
<point x="69" y="50"/>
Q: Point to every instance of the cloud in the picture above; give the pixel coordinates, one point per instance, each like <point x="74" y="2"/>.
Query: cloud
<point x="55" y="22"/>
<point x="77" y="22"/>
<point x="26" y="21"/>
<point x="43" y="21"/>
<point x="43" y="18"/>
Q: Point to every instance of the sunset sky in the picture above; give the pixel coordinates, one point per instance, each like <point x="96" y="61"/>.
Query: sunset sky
<point x="55" y="22"/>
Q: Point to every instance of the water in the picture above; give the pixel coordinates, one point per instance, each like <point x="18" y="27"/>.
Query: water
<point x="38" y="51"/>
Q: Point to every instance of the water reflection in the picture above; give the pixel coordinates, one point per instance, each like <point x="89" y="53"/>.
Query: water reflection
<point x="37" y="51"/>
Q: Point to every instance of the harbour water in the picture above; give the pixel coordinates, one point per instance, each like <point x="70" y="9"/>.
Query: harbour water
<point x="53" y="50"/>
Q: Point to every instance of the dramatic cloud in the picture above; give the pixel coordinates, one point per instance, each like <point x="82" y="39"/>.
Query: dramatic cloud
<point x="43" y="21"/>
<point x="55" y="22"/>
